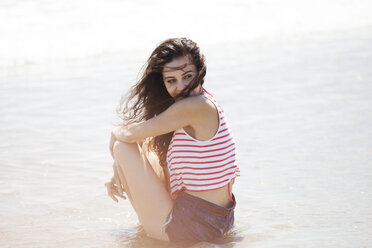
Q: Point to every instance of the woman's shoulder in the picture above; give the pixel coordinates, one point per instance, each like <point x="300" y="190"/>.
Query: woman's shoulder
<point x="198" y="103"/>
<point x="203" y="117"/>
<point x="200" y="110"/>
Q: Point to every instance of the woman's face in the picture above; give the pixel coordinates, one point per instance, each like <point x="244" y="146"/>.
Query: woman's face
<point x="178" y="74"/>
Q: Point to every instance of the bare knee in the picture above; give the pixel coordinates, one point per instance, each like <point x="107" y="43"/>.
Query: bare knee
<point x="123" y="149"/>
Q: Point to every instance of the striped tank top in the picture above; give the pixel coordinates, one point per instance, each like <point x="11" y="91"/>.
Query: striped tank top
<point x="198" y="165"/>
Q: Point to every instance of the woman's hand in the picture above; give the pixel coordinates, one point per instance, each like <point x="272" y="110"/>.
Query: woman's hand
<point x="121" y="133"/>
<point x="114" y="187"/>
<point x="113" y="139"/>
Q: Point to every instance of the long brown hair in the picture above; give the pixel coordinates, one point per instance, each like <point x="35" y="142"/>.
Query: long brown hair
<point x="149" y="97"/>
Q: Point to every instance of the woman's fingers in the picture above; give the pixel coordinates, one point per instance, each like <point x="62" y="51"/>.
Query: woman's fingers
<point x="110" y="191"/>
<point x="114" y="186"/>
<point x="117" y="179"/>
<point x="115" y="192"/>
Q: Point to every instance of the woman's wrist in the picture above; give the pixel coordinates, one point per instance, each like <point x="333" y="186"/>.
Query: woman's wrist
<point x="122" y="134"/>
<point x="116" y="132"/>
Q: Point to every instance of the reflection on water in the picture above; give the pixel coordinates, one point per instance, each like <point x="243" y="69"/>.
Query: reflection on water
<point x="137" y="238"/>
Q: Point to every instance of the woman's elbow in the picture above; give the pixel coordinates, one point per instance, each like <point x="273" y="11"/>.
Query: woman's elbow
<point x="124" y="135"/>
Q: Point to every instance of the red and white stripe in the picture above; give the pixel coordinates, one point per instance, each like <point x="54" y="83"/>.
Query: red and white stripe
<point x="202" y="165"/>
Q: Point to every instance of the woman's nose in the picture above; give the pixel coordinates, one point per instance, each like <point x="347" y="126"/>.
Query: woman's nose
<point x="181" y="85"/>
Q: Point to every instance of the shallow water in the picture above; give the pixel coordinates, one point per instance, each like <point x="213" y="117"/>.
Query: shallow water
<point x="299" y="104"/>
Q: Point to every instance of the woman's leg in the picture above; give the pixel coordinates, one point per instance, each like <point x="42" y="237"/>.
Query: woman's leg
<point x="124" y="184"/>
<point x="145" y="189"/>
<point x="152" y="159"/>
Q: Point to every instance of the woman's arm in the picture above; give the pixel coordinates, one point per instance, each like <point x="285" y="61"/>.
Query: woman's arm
<point x="186" y="112"/>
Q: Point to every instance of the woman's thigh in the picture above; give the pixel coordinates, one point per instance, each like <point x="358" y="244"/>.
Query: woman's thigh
<point x="153" y="160"/>
<point x="152" y="201"/>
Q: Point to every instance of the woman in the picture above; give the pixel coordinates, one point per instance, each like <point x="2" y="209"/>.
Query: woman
<point x="175" y="155"/>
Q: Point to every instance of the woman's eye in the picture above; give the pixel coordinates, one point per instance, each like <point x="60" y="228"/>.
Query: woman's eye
<point x="171" y="81"/>
<point x="188" y="76"/>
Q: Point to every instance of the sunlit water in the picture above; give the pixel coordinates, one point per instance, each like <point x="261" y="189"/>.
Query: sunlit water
<point x="300" y="106"/>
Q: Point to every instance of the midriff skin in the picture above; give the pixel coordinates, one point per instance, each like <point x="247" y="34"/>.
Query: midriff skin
<point x="217" y="196"/>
